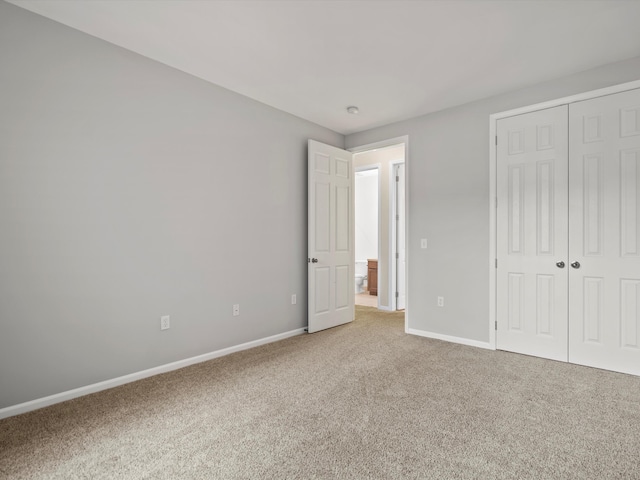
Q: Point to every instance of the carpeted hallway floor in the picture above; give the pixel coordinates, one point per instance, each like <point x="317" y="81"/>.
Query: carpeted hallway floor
<point x="361" y="401"/>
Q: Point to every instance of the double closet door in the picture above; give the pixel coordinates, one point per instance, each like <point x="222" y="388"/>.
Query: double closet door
<point x="568" y="233"/>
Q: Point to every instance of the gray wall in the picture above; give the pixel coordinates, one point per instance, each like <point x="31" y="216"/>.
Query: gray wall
<point x="448" y="182"/>
<point x="130" y="190"/>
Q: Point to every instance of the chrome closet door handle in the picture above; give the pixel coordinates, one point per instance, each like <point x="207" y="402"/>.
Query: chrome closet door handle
<point x="575" y="264"/>
<point x="560" y="264"/>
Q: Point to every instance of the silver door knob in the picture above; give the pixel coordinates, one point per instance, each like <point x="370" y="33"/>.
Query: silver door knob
<point x="314" y="260"/>
<point x="575" y="264"/>
<point x="560" y="264"/>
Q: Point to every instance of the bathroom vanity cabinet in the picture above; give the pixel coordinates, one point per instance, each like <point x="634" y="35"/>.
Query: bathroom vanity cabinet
<point x="372" y="276"/>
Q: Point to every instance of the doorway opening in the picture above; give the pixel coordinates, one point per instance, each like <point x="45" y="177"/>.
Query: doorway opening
<point x="367" y="222"/>
<point x="386" y="271"/>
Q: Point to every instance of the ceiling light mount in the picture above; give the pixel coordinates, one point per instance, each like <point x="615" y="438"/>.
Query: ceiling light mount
<point x="353" y="110"/>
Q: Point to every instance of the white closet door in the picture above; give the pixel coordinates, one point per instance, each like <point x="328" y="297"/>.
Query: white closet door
<point x="604" y="233"/>
<point x="532" y="169"/>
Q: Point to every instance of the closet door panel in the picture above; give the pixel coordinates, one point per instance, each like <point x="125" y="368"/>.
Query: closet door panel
<point x="604" y="232"/>
<point x="532" y="168"/>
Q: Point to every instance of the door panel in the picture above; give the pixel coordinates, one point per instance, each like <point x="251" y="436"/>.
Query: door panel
<point x="604" y="236"/>
<point x="331" y="246"/>
<point x="532" y="168"/>
<point x="629" y="202"/>
<point x="322" y="280"/>
<point x="630" y="314"/>
<point x="321" y="216"/>
<point x="545" y="306"/>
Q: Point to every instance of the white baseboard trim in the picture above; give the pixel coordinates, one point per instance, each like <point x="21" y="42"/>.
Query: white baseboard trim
<point x="132" y="377"/>
<point x="385" y="308"/>
<point x="449" y="338"/>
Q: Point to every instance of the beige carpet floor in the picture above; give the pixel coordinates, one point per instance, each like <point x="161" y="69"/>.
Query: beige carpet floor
<point x="361" y="401"/>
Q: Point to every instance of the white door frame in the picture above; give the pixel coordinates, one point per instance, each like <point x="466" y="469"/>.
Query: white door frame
<point x="393" y="240"/>
<point x="403" y="140"/>
<point x="363" y="168"/>
<point x="493" y="119"/>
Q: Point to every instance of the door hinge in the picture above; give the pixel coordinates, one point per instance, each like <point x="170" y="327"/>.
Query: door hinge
<point x="496" y="263"/>
<point x="496" y="140"/>
<point x="397" y="294"/>
<point x="397" y="255"/>
<point x="397" y="178"/>
<point x="496" y="324"/>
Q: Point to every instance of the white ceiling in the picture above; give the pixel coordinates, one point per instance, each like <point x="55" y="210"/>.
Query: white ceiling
<point x="394" y="59"/>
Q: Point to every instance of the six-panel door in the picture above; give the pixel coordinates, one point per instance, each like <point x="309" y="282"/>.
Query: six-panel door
<point x="331" y="281"/>
<point x="604" y="233"/>
<point x="532" y="166"/>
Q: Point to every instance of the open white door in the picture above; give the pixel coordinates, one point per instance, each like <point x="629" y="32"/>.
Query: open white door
<point x="331" y="281"/>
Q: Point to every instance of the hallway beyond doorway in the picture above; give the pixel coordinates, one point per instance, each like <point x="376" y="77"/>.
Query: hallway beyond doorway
<point x="366" y="300"/>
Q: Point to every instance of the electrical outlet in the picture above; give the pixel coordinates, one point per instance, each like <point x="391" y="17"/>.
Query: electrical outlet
<point x="236" y="310"/>
<point x="165" y="322"/>
<point x="294" y="300"/>
<point x="441" y="301"/>
<point x="423" y="243"/>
